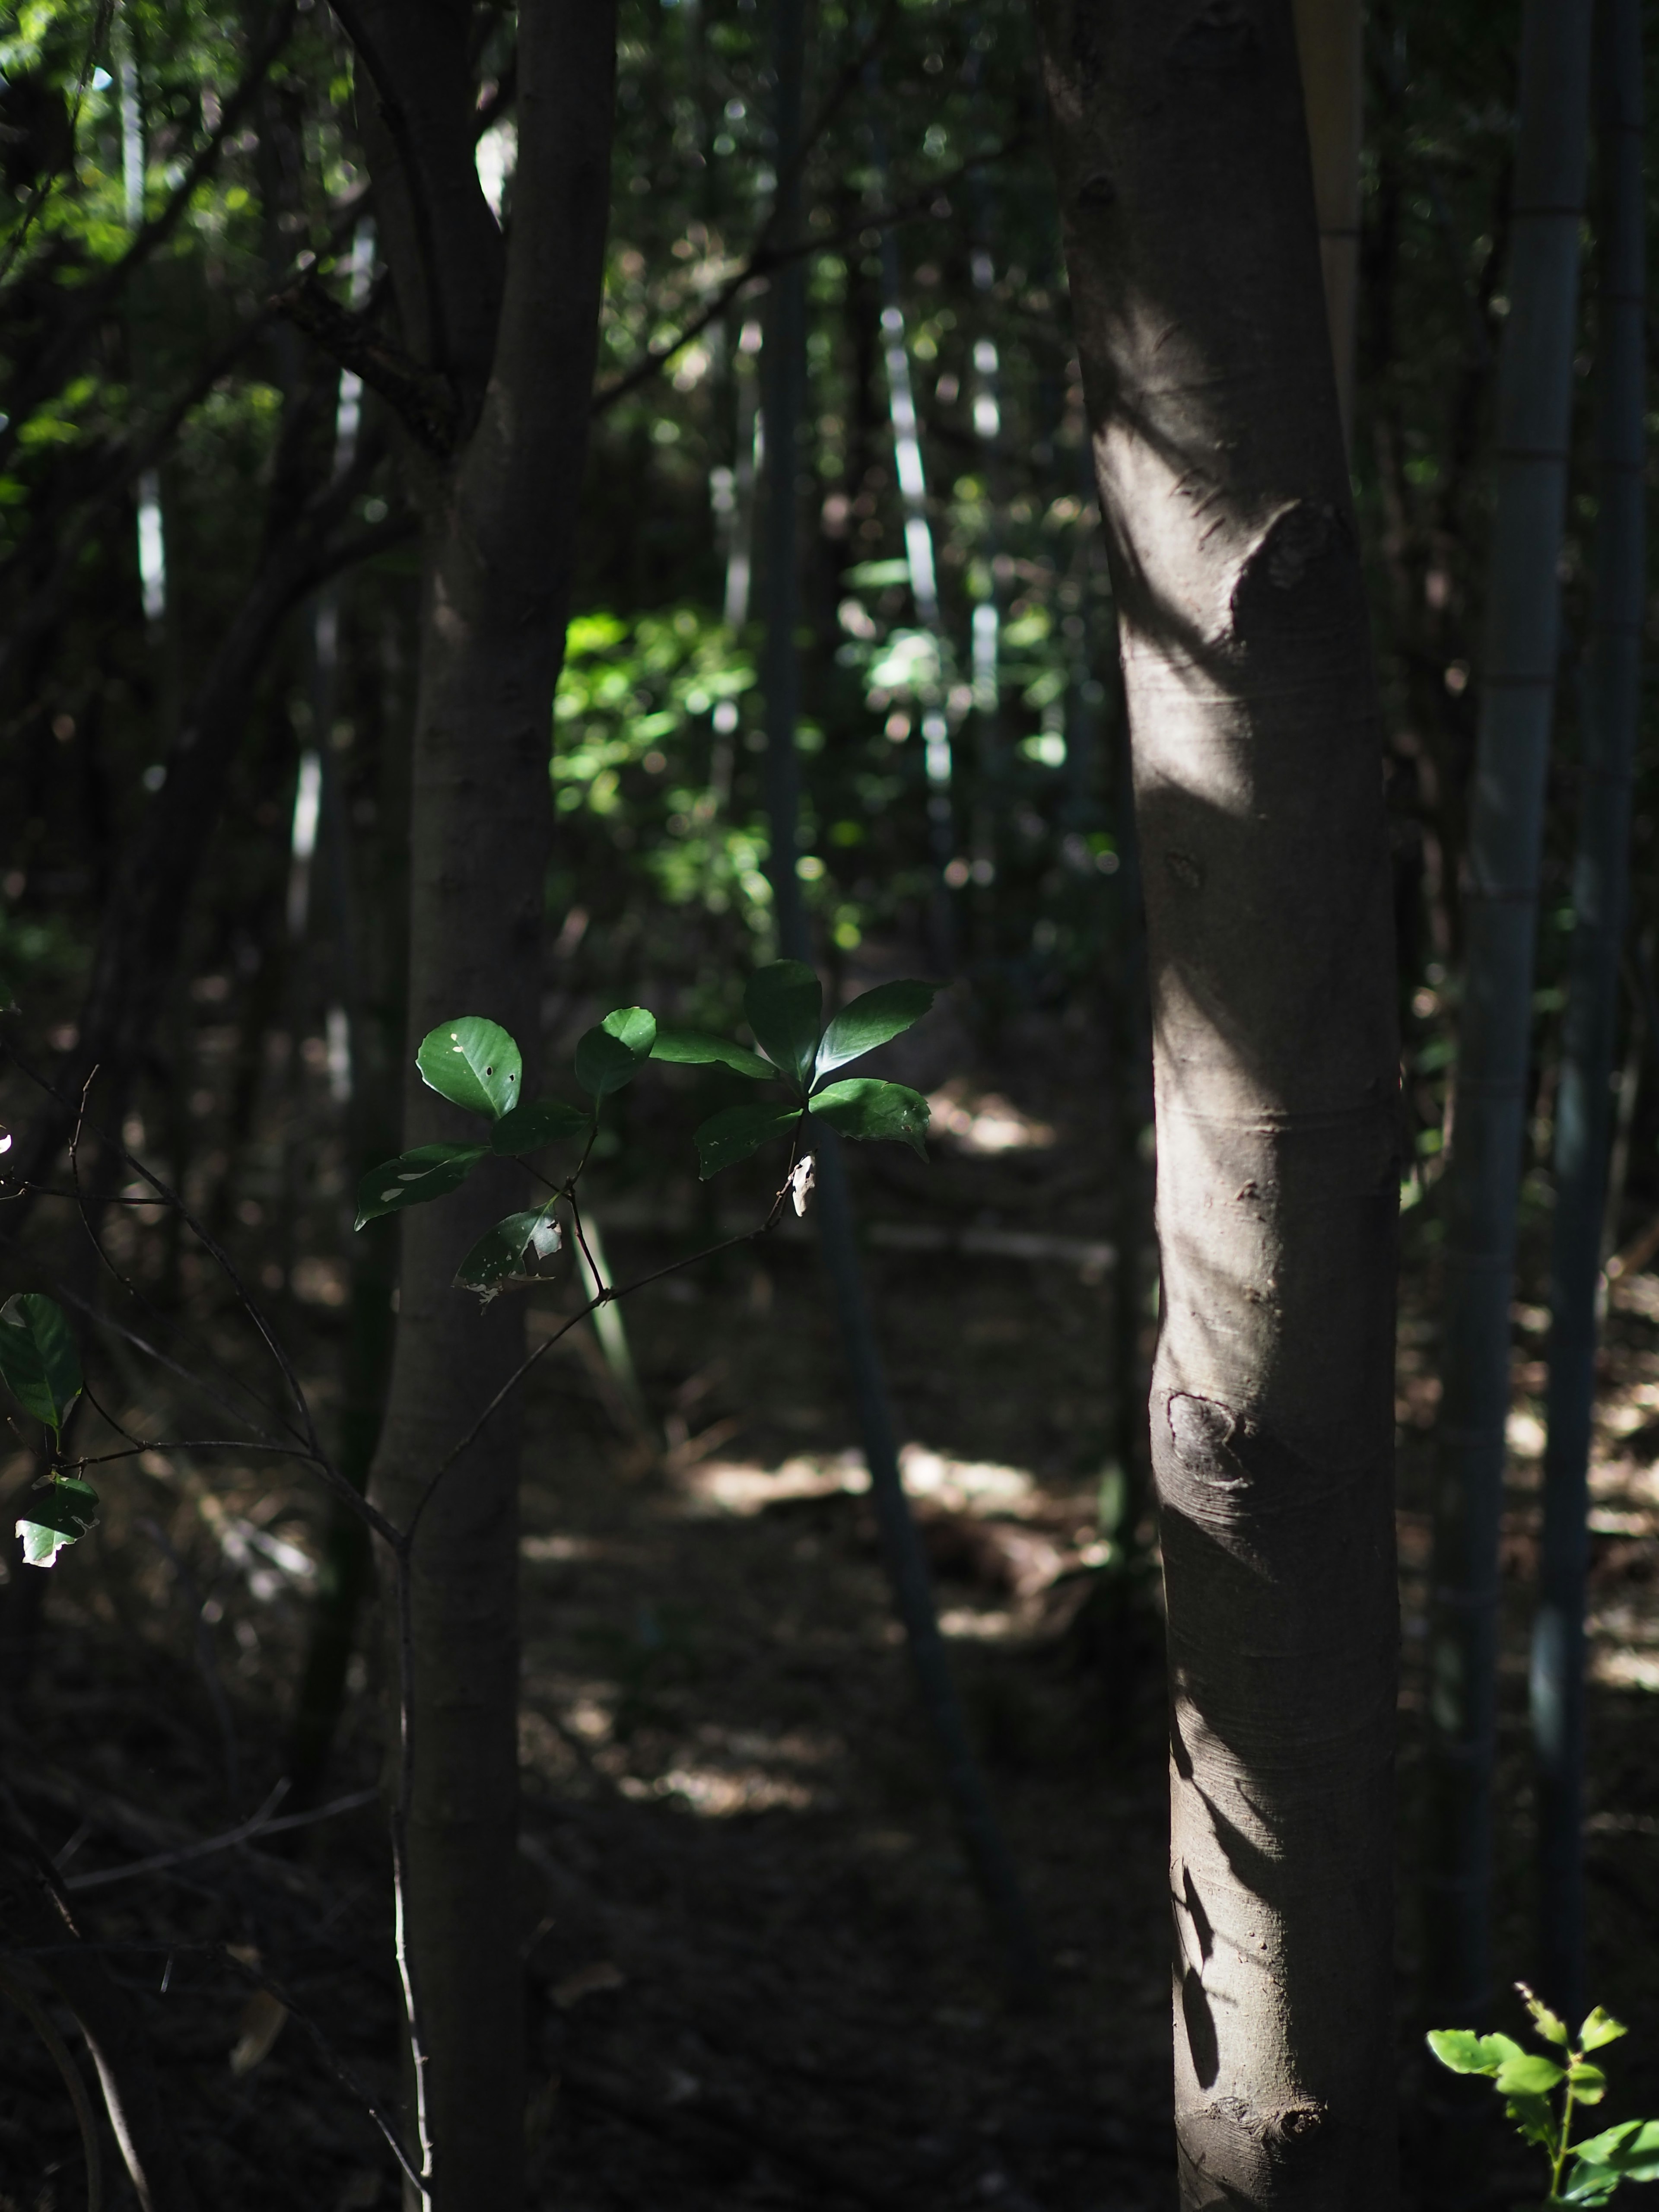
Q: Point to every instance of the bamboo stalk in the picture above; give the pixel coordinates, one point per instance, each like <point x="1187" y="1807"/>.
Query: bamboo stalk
<point x="1600" y="899"/>
<point x="1535" y="384"/>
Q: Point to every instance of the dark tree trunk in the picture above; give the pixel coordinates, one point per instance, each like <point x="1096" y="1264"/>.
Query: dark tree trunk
<point x="1191" y="241"/>
<point x="514" y="335"/>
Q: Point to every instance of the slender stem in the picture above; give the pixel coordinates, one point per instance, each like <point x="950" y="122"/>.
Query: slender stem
<point x="1561" y="2148"/>
<point x="418" y="2055"/>
<point x="40" y="2021"/>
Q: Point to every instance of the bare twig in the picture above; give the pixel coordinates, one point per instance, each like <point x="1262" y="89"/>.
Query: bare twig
<point x="248" y="1832"/>
<point x="40" y="2020"/>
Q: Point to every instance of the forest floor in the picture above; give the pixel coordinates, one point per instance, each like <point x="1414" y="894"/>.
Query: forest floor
<point x="759" y="1974"/>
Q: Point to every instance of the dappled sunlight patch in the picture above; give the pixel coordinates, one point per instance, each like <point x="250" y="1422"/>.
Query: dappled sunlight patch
<point x="730" y="1772"/>
<point x="974" y="1624"/>
<point x="1525" y="1433"/>
<point x="974" y="1120"/>
<point x="957" y="1485"/>
<point x="1624" y="1666"/>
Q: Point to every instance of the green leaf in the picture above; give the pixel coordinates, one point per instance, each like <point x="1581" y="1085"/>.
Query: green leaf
<point x="538" y="1122"/>
<point x="726" y="1139"/>
<point x="886" y="1013"/>
<point x="39" y="1363"/>
<point x="473" y="1063"/>
<point x="1629" y="2151"/>
<point x="1536" y="2118"/>
<point x="1466" y="2052"/>
<point x="1529" y="2074"/>
<point x="506" y="1253"/>
<point x="1549" y="2024"/>
<point x="429" y="1171"/>
<point x="861" y="1107"/>
<point x="613" y="1053"/>
<point x="1601" y="2028"/>
<point x="784" y="1006"/>
<point x="1589" y="2185"/>
<point x="1589" y="2083"/>
<point x="697" y="1048"/>
<point x="56" y="1517"/>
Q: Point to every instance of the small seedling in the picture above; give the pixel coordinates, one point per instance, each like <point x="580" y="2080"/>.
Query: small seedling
<point x="41" y="1367"/>
<point x="477" y="1065"/>
<point x="1541" y="2092"/>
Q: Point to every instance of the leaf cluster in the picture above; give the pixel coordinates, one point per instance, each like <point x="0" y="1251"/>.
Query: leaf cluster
<point x="41" y="1368"/>
<point x="1539" y="2092"/>
<point x="475" y="1064"/>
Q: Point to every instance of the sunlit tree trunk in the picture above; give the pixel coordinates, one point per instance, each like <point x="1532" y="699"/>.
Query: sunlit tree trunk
<point x="1193" y="251"/>
<point x="1583" y="1107"/>
<point x="513" y="335"/>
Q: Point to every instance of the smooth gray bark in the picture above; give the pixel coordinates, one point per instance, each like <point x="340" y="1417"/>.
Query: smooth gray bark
<point x="1482" y="1181"/>
<point x="1192" y="246"/>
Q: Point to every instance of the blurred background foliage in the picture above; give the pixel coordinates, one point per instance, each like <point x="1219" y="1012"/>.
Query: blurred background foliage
<point x="169" y="169"/>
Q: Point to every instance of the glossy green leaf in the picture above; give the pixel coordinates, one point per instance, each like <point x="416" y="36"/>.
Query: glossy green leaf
<point x="614" y="1053"/>
<point x="784" y="1006"/>
<point x="697" y="1048"/>
<point x="1529" y="2074"/>
<point x="1589" y="2083"/>
<point x="473" y="1063"/>
<point x="862" y="1106"/>
<point x="1465" y="2052"/>
<point x="39" y="1363"/>
<point x="1601" y="2028"/>
<point x="57" y="1516"/>
<point x="538" y="1122"/>
<point x="429" y="1171"/>
<point x="508" y="1252"/>
<point x="726" y="1139"/>
<point x="880" y="1015"/>
<point x="1630" y="2151"/>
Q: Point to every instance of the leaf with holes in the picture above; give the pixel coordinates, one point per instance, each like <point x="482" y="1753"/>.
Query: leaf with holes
<point x="473" y="1063"/>
<point x="784" y="1006"/>
<point x="862" y="1106"/>
<point x="508" y="1252"/>
<point x="880" y="1016"/>
<point x="39" y="1363"/>
<point x="726" y="1139"/>
<point x="429" y="1171"/>
<point x="697" y="1048"/>
<point x="613" y="1055"/>
<point x="58" y="1515"/>
<point x="538" y="1122"/>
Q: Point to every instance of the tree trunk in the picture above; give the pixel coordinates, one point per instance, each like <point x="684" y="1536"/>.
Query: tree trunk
<point x="500" y="520"/>
<point x="1191" y="241"/>
<point x="1330" y="45"/>
<point x="1583" y="1109"/>
<point x="1481" y="1185"/>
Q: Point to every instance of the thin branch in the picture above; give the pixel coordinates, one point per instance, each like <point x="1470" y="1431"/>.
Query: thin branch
<point x="764" y="259"/>
<point x="247" y="1831"/>
<point x="423" y="398"/>
<point x="40" y="2020"/>
<point x="330" y="2057"/>
<point x="91" y="301"/>
<point x="47" y="185"/>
